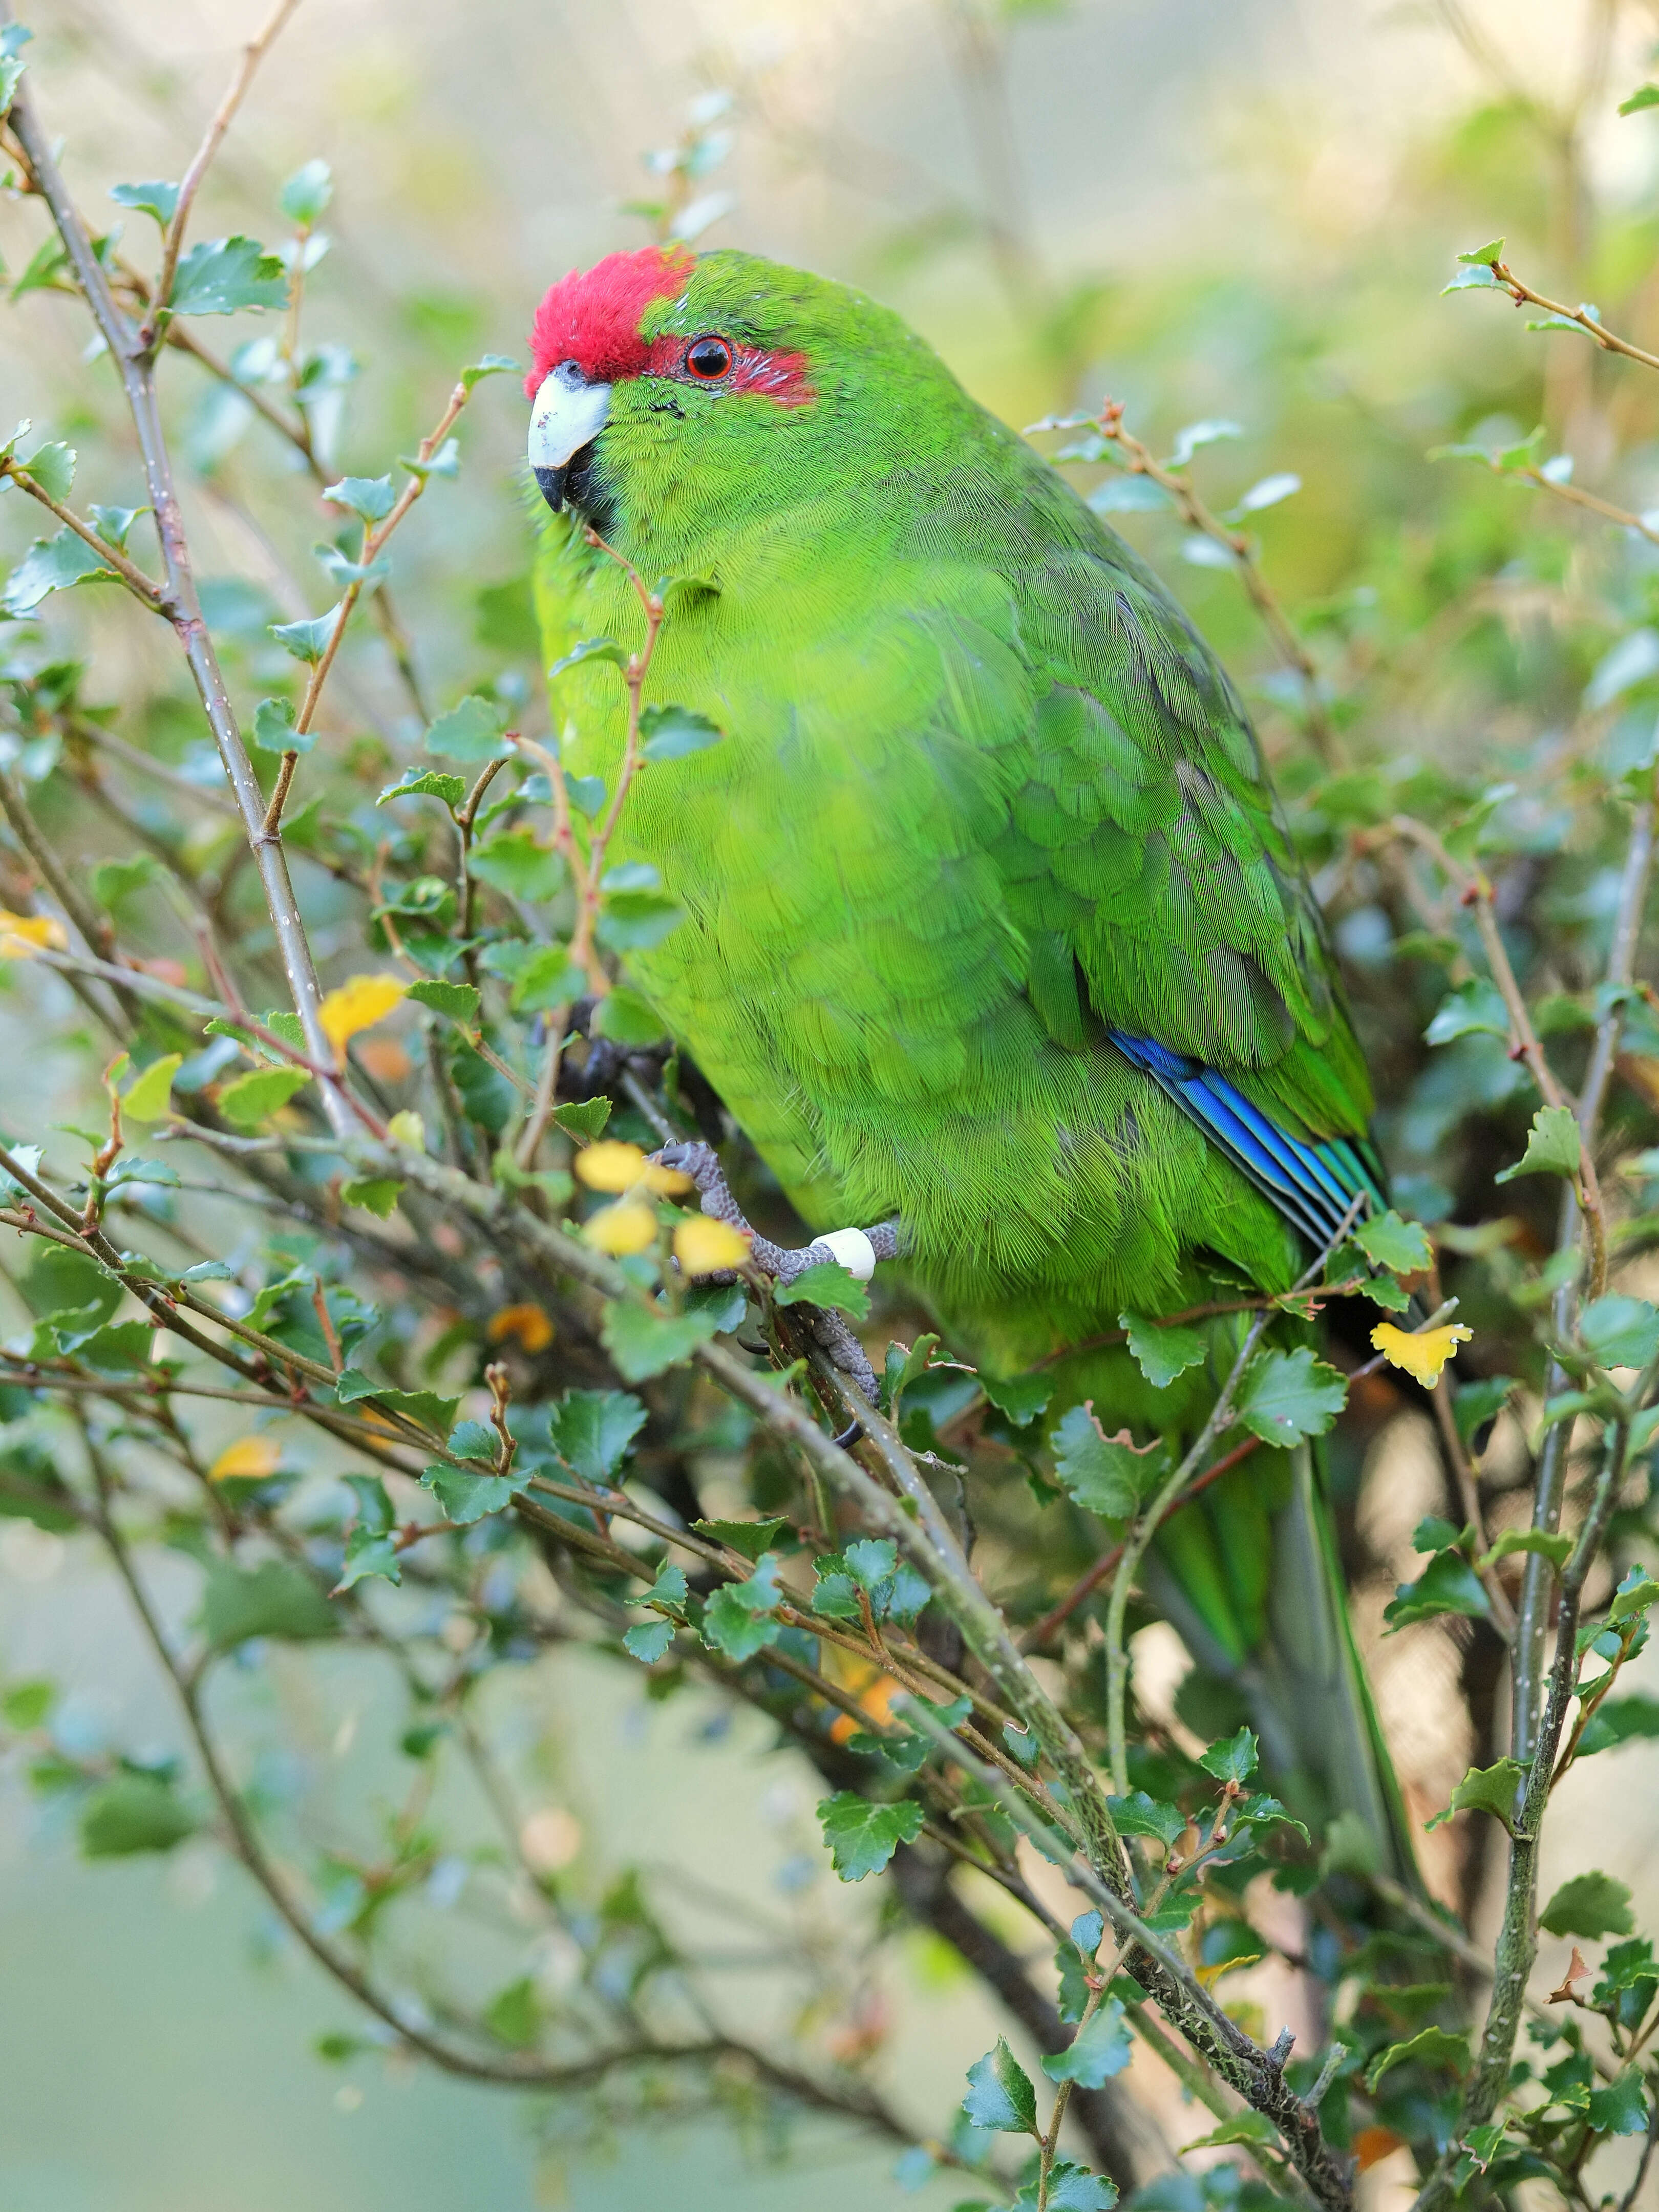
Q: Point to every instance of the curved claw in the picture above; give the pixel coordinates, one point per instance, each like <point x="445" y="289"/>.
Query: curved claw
<point x="848" y="1436"/>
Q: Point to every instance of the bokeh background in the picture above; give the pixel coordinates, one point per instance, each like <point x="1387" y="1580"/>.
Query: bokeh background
<point x="1236" y="208"/>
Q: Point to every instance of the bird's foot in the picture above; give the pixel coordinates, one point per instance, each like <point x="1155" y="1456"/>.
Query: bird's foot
<point x="856" y="1250"/>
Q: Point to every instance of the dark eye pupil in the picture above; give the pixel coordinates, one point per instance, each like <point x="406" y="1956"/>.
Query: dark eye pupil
<point x="710" y="357"/>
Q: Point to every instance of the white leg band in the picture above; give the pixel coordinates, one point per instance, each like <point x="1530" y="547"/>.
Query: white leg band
<point x="854" y="1251"/>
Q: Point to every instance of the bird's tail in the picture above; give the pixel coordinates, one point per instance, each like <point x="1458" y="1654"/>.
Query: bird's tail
<point x="1250" y="1578"/>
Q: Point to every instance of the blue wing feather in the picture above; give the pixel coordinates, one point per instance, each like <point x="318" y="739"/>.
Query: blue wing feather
<point x="1314" y="1186"/>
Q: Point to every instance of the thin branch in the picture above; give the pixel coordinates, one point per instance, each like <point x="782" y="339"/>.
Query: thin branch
<point x="253" y="54"/>
<point x="1139" y="460"/>
<point x="142" y="587"/>
<point x="134" y="361"/>
<point x="1580" y="317"/>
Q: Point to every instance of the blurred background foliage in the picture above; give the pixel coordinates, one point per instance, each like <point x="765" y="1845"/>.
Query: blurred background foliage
<point x="1241" y="213"/>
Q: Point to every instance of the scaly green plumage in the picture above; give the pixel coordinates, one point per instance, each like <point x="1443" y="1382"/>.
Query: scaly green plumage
<point x="983" y="795"/>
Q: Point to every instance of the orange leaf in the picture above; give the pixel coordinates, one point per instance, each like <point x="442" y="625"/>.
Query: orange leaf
<point x="527" y="1323"/>
<point x="702" y="1245"/>
<point x="253" y="1456"/>
<point x="622" y="1229"/>
<point x="358" y="1005"/>
<point x="1372" y="2145"/>
<point x="22" y="935"/>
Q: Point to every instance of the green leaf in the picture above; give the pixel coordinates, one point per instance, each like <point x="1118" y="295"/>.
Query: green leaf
<point x="114" y="880"/>
<point x="488" y="364"/>
<point x="1447" y="1584"/>
<point x="1634" y="1594"/>
<point x="227" y="276"/>
<point x="469" y="732"/>
<point x="134" y="1812"/>
<point x="1646" y="95"/>
<point x="1287" y="1395"/>
<point x="113" y="524"/>
<point x="1142" y="1815"/>
<point x="548" y="978"/>
<point x="1099" y="2051"/>
<point x="376" y="1194"/>
<point x="250" y="1100"/>
<point x="369" y="1554"/>
<point x="306" y="641"/>
<point x="459" y="1001"/>
<point x="1162" y="1352"/>
<point x="1478" y="277"/>
<point x="1618" y="1720"/>
<point x="303" y="197"/>
<point x="1433" y="2047"/>
<point x="736" y="1621"/>
<point x="159" y="200"/>
<point x="425" y="783"/>
<point x="1399" y="1246"/>
<point x="513" y="2014"/>
<point x="1072" y="2188"/>
<point x="1106" y="1475"/>
<point x="675" y="732"/>
<point x="427" y="1409"/>
<point x="1000" y="2096"/>
<point x="1552" y="1148"/>
<point x="862" y="1836"/>
<point x="469" y="1497"/>
<point x="1477" y="1403"/>
<point x="648" y="1641"/>
<point x="276" y="1599"/>
<point x="584" y="1118"/>
<point x="151" y="1091"/>
<point x="1483" y="255"/>
<point x="1619" y="1331"/>
<point x="590" y="648"/>
<point x="53" y="468"/>
<point x="1232" y="1761"/>
<point x="623" y="1017"/>
<point x="1018" y="1398"/>
<point x="1486" y="1789"/>
<point x="1590" y="1904"/>
<point x="51" y="564"/>
<point x="635" y="921"/>
<point x="591" y="1431"/>
<point x="1557" y="1549"/>
<point x="517" y="862"/>
<point x="1620" y="2109"/>
<point x="826" y="1284"/>
<point x="749" y="1538"/>
<point x="642" y="1341"/>
<point x="371" y="497"/>
<point x="1253" y="2130"/>
<point x="25" y="1706"/>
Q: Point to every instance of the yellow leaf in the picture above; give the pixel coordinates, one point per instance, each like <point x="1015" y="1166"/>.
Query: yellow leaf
<point x="408" y="1128"/>
<point x="704" y="1245"/>
<point x="1424" y="1354"/>
<point x="621" y="1228"/>
<point x="526" y="1322"/>
<point x="22" y="935"/>
<point x="610" y="1165"/>
<point x="147" y="1100"/>
<point x="668" y="1182"/>
<point x="255" y="1456"/>
<point x="358" y="1005"/>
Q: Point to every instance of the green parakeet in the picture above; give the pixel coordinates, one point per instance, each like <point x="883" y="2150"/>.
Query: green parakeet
<point x="993" y="921"/>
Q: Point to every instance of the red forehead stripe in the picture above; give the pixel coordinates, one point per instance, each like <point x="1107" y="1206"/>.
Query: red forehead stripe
<point x="593" y="316"/>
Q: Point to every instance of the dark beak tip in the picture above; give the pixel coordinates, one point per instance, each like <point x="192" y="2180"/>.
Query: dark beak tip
<point x="551" y="483"/>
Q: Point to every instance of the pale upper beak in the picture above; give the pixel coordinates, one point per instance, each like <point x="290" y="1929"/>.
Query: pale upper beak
<point x="567" y="413"/>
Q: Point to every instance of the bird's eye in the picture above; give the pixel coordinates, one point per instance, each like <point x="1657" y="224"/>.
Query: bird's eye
<point x="708" y="359"/>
